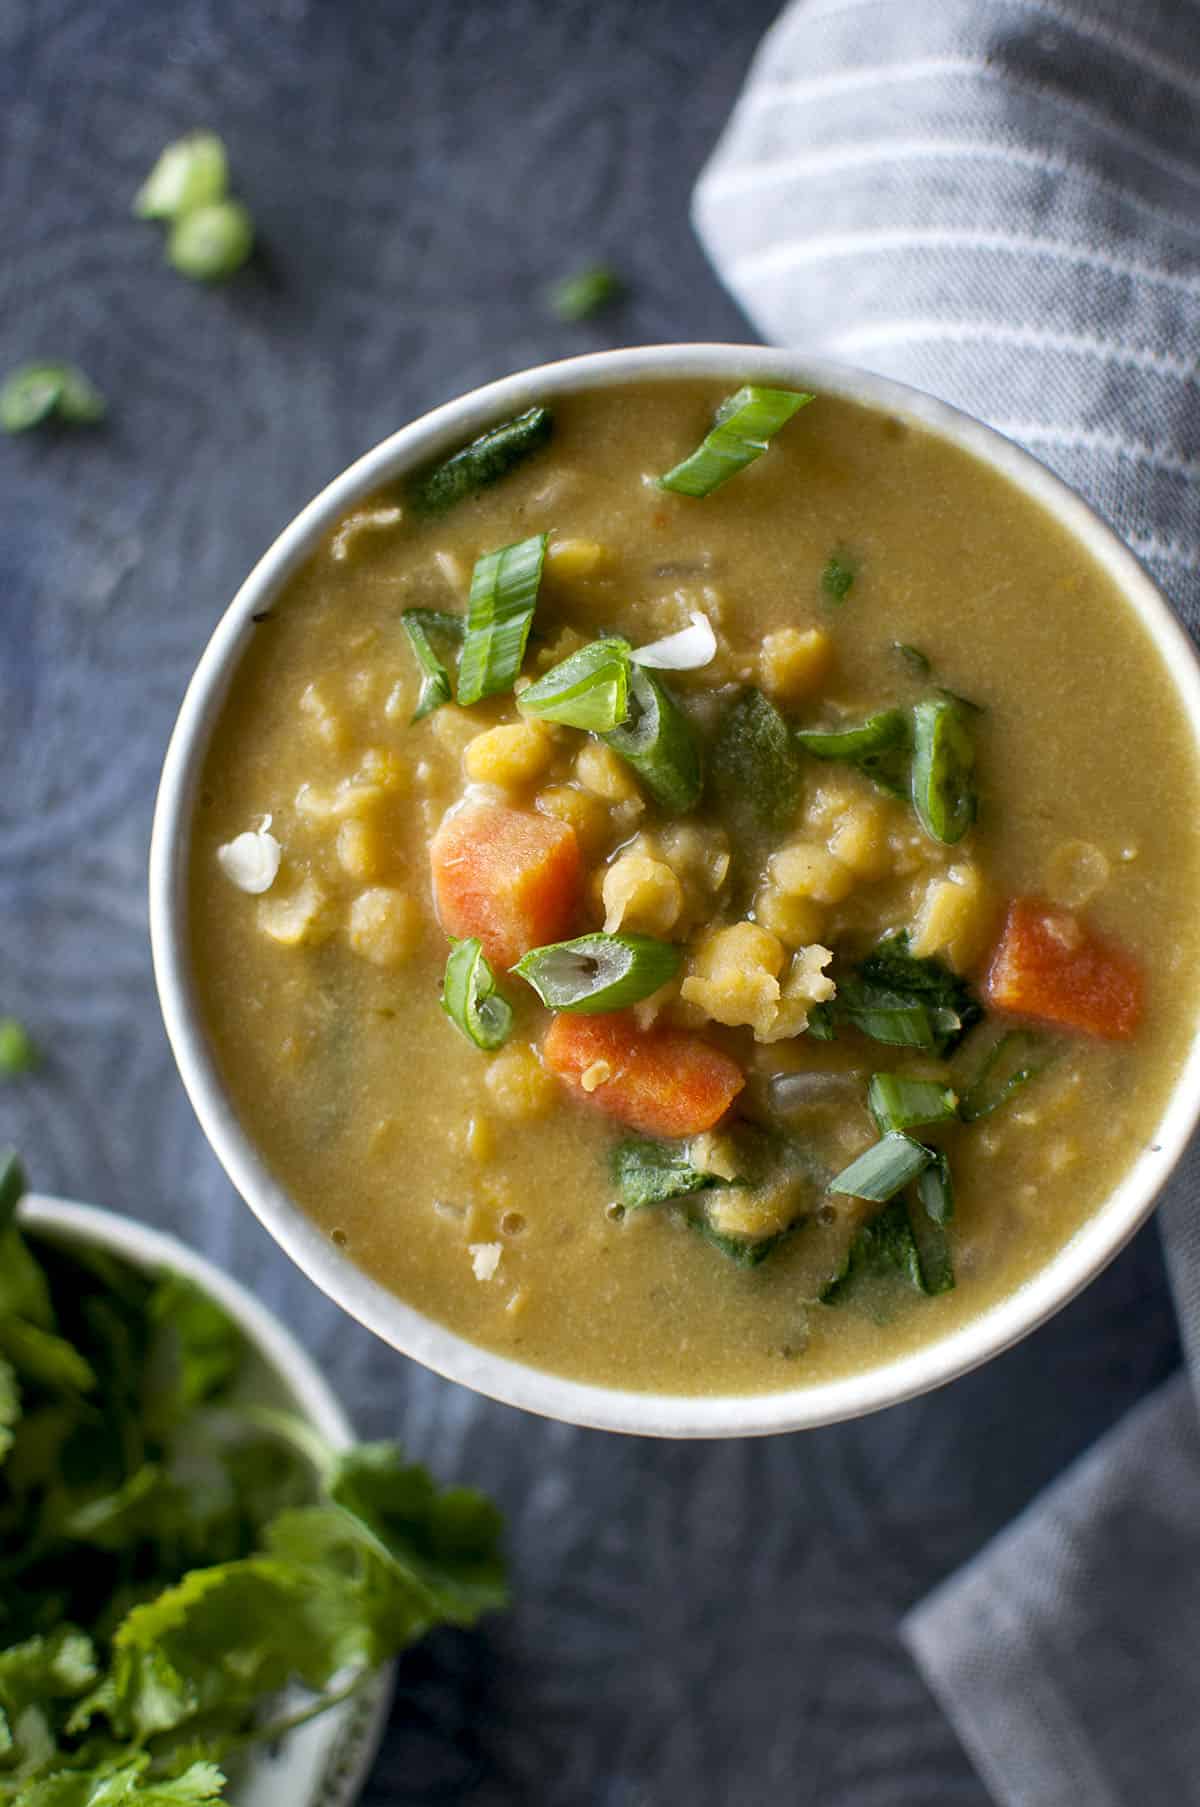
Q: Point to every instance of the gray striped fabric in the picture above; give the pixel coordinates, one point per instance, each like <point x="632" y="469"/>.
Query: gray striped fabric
<point x="999" y="201"/>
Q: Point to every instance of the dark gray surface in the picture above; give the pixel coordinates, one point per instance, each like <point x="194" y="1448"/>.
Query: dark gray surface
<point x="709" y="1624"/>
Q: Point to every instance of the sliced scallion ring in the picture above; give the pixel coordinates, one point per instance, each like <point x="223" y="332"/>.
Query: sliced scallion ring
<point x="189" y="173"/>
<point x="211" y="242"/>
<point x="504" y="590"/>
<point x="884" y="1169"/>
<point x="597" y="973"/>
<point x="899" y="1103"/>
<point x="590" y="690"/>
<point x="418" y="625"/>
<point x="690" y="649"/>
<point x="36" y="393"/>
<point x="659" y="742"/>
<point x="943" y="794"/>
<point x="471" y="1000"/>
<point x="744" y="426"/>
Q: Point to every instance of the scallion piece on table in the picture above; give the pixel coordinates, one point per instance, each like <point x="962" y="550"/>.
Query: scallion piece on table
<point x="418" y="625"/>
<point x="879" y="747"/>
<point x="649" y="1173"/>
<point x="504" y="591"/>
<point x="744" y="426"/>
<point x="899" y="1103"/>
<point x="755" y="768"/>
<point x="943" y="793"/>
<point x="209" y="243"/>
<point x="189" y="173"/>
<point x="579" y="296"/>
<point x="18" y="1050"/>
<point x="935" y="1189"/>
<point x="492" y="456"/>
<point x="34" y="394"/>
<point x="471" y="1000"/>
<point x="660" y="744"/>
<point x="590" y="690"/>
<point x="837" y="577"/>
<point x="597" y="973"/>
<point x="1010" y="1063"/>
<point x="884" y="1169"/>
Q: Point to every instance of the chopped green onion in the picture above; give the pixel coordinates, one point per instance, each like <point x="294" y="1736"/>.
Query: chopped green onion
<point x="190" y="173"/>
<point x="492" y="456"/>
<point x="18" y="1050"/>
<point x="747" y="1251"/>
<point x="744" y="425"/>
<point x="585" y="293"/>
<point x="209" y="243"/>
<point x="935" y="1188"/>
<point x="36" y="393"/>
<point x="899" y="1103"/>
<point x="935" y="1268"/>
<point x="943" y="759"/>
<point x="879" y="747"/>
<point x="648" y="1173"/>
<point x="754" y="765"/>
<point x="884" y="1169"/>
<point x="597" y="973"/>
<point x="470" y="998"/>
<point x="883" y="1245"/>
<point x="998" y="1078"/>
<point x="837" y="579"/>
<point x="914" y="658"/>
<point x="659" y="742"/>
<point x="590" y="690"/>
<point x="504" y="590"/>
<point x="418" y="624"/>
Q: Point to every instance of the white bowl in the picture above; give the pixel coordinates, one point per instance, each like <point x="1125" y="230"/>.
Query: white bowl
<point x="324" y="1763"/>
<point x="654" y="1414"/>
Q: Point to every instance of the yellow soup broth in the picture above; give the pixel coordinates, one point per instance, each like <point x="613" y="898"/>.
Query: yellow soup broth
<point x="477" y="1185"/>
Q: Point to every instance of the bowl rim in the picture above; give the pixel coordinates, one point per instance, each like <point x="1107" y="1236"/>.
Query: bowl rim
<point x="499" y="1377"/>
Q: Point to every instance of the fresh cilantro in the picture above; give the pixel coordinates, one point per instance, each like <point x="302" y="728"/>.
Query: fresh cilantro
<point x="172" y="1558"/>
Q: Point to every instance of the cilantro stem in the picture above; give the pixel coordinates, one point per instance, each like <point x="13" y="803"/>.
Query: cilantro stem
<point x="276" y="1729"/>
<point x="289" y="1427"/>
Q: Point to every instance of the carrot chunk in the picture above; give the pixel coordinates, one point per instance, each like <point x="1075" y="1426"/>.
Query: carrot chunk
<point x="1048" y="966"/>
<point x="664" y="1082"/>
<point x="512" y="878"/>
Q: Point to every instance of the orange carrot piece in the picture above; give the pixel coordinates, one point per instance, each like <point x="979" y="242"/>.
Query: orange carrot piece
<point x="508" y="876"/>
<point x="664" y="1082"/>
<point x="1048" y="966"/>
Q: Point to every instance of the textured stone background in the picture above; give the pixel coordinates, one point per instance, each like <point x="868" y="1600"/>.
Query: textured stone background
<point x="708" y="1624"/>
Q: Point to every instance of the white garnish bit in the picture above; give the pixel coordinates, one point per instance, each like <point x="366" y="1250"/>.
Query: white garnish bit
<point x="251" y="860"/>
<point x="366" y="518"/>
<point x="688" y="650"/>
<point x="485" y="1258"/>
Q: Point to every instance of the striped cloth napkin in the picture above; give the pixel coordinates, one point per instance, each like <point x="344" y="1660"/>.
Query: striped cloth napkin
<point x="999" y="202"/>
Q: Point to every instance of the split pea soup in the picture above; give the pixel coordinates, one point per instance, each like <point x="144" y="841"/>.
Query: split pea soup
<point x="699" y="892"/>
